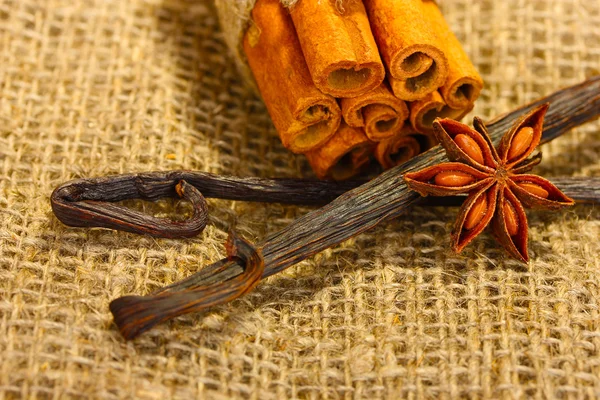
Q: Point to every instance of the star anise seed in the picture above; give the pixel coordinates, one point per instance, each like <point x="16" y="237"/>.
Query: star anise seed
<point x="494" y="180"/>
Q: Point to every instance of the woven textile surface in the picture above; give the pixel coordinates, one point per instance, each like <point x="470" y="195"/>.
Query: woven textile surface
<point x="96" y="87"/>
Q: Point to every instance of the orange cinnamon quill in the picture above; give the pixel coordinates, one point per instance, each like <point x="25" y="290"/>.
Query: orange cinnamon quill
<point x="409" y="45"/>
<point x="304" y="117"/>
<point x="463" y="84"/>
<point x="401" y="147"/>
<point x="378" y="111"/>
<point x="339" y="47"/>
<point x="343" y="156"/>
<point x="423" y="112"/>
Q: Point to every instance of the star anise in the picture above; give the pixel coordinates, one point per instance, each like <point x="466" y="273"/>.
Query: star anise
<point x="495" y="181"/>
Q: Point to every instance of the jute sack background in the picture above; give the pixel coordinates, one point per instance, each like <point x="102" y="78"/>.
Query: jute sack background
<point x="89" y="88"/>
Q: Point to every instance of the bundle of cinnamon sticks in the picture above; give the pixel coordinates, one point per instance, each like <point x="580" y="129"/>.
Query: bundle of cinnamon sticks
<point x="346" y="81"/>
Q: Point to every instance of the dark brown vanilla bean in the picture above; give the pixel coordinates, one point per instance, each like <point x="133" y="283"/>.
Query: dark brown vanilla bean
<point x="584" y="190"/>
<point x="90" y="202"/>
<point x="72" y="200"/>
<point x="156" y="185"/>
<point x="358" y="210"/>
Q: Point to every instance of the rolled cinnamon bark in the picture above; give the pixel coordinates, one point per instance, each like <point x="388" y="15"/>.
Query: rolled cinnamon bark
<point x="409" y="45"/>
<point x="423" y="112"/>
<point x="343" y="156"/>
<point x="403" y="146"/>
<point x="463" y="84"/>
<point x="380" y="113"/>
<point x="304" y="117"/>
<point x="338" y="45"/>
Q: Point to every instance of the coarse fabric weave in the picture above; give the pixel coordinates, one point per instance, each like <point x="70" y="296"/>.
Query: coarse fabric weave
<point x="96" y="87"/>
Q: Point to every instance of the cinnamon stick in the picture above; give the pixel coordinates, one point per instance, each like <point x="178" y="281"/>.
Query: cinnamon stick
<point x="380" y="113"/>
<point x="409" y="45"/>
<point x="304" y="117"/>
<point x="401" y="147"/>
<point x="463" y="83"/>
<point x="423" y="112"/>
<point x="343" y="156"/>
<point x="338" y="45"/>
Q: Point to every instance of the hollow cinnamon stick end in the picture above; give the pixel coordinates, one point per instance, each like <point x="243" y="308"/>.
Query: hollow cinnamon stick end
<point x="313" y="125"/>
<point x="413" y="89"/>
<point x="410" y="46"/>
<point x="425" y="65"/>
<point x="380" y="113"/>
<point x="426" y="110"/>
<point x="462" y="92"/>
<point x="463" y="83"/>
<point x="403" y="146"/>
<point x="349" y="79"/>
<point x="343" y="156"/>
<point x="382" y="121"/>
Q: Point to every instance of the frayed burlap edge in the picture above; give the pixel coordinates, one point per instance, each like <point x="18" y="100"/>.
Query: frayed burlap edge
<point x="234" y="17"/>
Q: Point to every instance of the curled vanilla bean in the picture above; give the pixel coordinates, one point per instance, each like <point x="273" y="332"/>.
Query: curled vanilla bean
<point x="91" y="202"/>
<point x="360" y="209"/>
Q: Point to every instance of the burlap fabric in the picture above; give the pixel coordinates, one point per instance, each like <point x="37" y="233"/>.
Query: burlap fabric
<point x="89" y="88"/>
